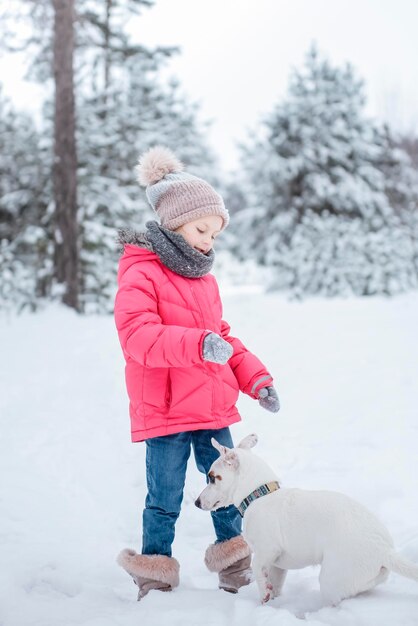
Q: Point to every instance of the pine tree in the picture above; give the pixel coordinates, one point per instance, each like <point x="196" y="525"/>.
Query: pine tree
<point x="138" y="113"/>
<point x="25" y="216"/>
<point x="327" y="209"/>
<point x="121" y="109"/>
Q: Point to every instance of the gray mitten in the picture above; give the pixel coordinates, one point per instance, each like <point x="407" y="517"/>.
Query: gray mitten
<point x="216" y="349"/>
<point x="268" y="399"/>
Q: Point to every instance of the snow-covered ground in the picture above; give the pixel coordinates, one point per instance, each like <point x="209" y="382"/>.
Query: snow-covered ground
<point x="73" y="485"/>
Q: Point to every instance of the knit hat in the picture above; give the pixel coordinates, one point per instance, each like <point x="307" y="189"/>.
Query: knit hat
<point x="176" y="196"/>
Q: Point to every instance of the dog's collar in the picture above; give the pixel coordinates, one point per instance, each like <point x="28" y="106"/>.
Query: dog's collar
<point x="262" y="490"/>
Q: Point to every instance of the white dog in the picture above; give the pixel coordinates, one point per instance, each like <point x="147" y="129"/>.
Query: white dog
<point x="292" y="528"/>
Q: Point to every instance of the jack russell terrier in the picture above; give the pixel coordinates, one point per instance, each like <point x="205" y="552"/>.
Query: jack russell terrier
<point x="293" y="528"/>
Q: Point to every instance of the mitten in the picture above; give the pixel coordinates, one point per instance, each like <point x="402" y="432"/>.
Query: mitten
<point x="216" y="349"/>
<point x="268" y="399"/>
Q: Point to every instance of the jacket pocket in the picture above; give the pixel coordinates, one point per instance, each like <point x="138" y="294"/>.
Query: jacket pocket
<point x="155" y="387"/>
<point x="168" y="389"/>
<point x="231" y="388"/>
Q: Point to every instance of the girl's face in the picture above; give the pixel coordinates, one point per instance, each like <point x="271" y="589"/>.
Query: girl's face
<point x="201" y="233"/>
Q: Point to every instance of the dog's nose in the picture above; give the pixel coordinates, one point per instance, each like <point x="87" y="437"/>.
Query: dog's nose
<point x="197" y="503"/>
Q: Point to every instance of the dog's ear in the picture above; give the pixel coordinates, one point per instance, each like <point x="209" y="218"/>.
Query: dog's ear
<point x="231" y="458"/>
<point x="221" y="449"/>
<point x="248" y="442"/>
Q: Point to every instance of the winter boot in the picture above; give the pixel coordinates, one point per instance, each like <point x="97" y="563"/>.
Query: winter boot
<point x="231" y="559"/>
<point x="150" y="571"/>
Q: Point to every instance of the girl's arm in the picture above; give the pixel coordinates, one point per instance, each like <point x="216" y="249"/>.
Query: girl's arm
<point x="249" y="371"/>
<point x="142" y="334"/>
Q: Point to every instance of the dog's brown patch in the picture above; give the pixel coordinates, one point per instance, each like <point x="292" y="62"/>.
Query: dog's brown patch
<point x="214" y="476"/>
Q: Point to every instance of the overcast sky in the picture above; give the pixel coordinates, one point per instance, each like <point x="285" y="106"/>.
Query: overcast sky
<point x="236" y="55"/>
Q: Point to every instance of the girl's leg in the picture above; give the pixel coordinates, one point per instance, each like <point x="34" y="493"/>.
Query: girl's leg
<point x="227" y="520"/>
<point x="230" y="555"/>
<point x="166" y="463"/>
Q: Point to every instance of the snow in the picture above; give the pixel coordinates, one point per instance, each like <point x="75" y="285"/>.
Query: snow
<point x="338" y="195"/>
<point x="73" y="485"/>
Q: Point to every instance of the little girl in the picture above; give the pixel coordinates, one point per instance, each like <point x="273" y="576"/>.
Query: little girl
<point x="183" y="368"/>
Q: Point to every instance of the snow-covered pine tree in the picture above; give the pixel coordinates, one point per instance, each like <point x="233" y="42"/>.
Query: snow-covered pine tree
<point x="121" y="109"/>
<point x="321" y="181"/>
<point x="25" y="189"/>
<point x="401" y="175"/>
<point x="138" y="112"/>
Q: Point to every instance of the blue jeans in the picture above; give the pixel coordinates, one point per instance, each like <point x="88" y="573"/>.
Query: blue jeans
<point x="166" y="462"/>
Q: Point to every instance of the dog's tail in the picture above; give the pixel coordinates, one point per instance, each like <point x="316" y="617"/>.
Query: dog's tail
<point x="399" y="565"/>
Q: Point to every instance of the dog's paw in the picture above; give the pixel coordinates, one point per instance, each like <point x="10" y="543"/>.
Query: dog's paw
<point x="269" y="594"/>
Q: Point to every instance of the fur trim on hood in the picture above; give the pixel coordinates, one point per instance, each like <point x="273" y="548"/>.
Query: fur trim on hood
<point x="221" y="555"/>
<point x="164" y="569"/>
<point x="132" y="237"/>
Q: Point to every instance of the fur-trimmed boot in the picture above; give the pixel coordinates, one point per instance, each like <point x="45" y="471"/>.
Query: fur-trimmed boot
<point x="150" y="571"/>
<point x="231" y="559"/>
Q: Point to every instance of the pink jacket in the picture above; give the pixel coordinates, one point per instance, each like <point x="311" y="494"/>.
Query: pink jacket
<point x="162" y="319"/>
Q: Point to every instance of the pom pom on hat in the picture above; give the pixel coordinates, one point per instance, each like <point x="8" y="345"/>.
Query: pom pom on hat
<point x="176" y="196"/>
<point x="155" y="164"/>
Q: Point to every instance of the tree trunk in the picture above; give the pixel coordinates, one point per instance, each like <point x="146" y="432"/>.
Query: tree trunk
<point x="65" y="155"/>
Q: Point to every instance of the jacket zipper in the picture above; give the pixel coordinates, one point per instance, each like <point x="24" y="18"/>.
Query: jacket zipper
<point x="198" y="305"/>
<point x="212" y="379"/>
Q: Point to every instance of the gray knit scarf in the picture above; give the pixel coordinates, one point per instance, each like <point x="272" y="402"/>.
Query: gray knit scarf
<point x="172" y="249"/>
